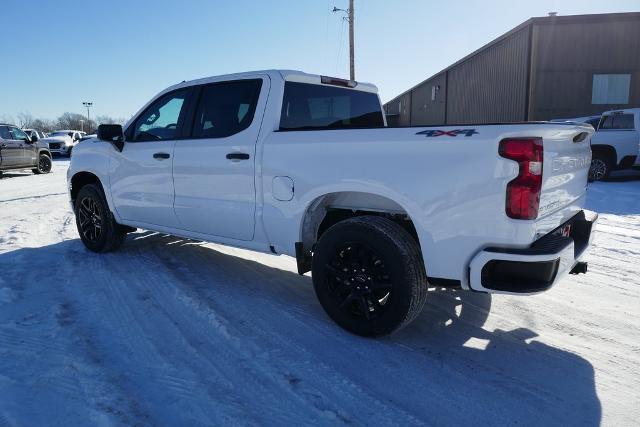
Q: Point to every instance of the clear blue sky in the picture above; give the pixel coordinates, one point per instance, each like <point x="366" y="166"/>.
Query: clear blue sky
<point x="119" y="53"/>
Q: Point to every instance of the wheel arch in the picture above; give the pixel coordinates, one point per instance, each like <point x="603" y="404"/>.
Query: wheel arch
<point x="79" y="180"/>
<point x="45" y="152"/>
<point x="330" y="208"/>
<point x="608" y="150"/>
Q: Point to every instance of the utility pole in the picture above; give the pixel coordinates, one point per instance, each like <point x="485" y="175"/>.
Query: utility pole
<point x="352" y="71"/>
<point x="350" y="18"/>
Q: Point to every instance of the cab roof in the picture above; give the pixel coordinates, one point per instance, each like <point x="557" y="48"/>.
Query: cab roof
<point x="623" y="111"/>
<point x="286" y="75"/>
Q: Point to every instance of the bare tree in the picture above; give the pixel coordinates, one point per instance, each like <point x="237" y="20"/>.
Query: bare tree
<point x="75" y="121"/>
<point x="25" y="119"/>
<point x="102" y="120"/>
<point x="44" y="125"/>
<point x="66" y="121"/>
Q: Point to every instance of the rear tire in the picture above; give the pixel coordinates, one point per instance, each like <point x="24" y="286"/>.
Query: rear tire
<point x="601" y="165"/>
<point x="369" y="276"/>
<point x="96" y="226"/>
<point x="44" y="165"/>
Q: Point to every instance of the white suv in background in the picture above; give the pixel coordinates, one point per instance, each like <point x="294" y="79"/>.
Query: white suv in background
<point x="63" y="141"/>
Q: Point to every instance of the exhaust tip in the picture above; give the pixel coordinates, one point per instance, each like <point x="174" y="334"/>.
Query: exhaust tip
<point x="579" y="268"/>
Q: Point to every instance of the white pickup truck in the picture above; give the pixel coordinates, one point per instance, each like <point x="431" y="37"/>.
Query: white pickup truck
<point x="616" y="143"/>
<point x="290" y="163"/>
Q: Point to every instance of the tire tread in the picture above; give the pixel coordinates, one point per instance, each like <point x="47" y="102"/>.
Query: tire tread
<point x="115" y="237"/>
<point x="410" y="254"/>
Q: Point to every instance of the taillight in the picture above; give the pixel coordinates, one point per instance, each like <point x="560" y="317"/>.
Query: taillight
<point x="523" y="192"/>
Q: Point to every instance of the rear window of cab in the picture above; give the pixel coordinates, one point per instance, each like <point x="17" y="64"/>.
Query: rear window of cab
<point x="315" y="107"/>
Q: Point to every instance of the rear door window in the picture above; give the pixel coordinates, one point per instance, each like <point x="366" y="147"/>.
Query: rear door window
<point x="4" y="133"/>
<point x="225" y="109"/>
<point x="312" y="106"/>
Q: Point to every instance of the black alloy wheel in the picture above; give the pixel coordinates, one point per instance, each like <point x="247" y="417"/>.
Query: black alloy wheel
<point x="44" y="164"/>
<point x="90" y="219"/>
<point x="369" y="275"/>
<point x="358" y="281"/>
<point x="96" y="225"/>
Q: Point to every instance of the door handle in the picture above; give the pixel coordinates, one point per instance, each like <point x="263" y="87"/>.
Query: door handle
<point x="161" y="156"/>
<point x="238" y="156"/>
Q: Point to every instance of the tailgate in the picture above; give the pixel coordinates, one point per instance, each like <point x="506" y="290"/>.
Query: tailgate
<point x="567" y="157"/>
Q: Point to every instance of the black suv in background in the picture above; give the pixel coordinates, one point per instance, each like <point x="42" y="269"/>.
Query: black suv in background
<point x="17" y="151"/>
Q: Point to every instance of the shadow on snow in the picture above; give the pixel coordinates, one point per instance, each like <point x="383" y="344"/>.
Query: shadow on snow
<point x="442" y="368"/>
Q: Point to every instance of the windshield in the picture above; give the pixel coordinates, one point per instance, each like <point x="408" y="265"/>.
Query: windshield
<point x="59" y="134"/>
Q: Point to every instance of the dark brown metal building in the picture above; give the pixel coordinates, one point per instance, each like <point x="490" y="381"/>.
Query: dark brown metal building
<point x="545" y="68"/>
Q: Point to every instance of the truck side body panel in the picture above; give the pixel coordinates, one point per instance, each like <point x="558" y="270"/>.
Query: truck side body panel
<point x="452" y="187"/>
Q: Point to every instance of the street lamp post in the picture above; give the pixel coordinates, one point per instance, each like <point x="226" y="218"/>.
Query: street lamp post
<point x="88" y="104"/>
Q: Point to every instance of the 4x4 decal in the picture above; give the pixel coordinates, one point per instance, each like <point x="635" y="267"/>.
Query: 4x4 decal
<point x="455" y="132"/>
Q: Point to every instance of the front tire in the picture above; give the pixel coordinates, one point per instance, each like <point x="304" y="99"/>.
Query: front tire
<point x="44" y="165"/>
<point x="96" y="226"/>
<point x="369" y="276"/>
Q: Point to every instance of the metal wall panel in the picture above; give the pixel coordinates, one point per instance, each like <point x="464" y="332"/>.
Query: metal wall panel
<point x="491" y="86"/>
<point x="392" y="112"/>
<point x="566" y="55"/>
<point x="404" y="108"/>
<point x="398" y="110"/>
<point x="424" y="109"/>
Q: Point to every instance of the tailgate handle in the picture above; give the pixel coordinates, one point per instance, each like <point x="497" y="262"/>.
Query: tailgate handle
<point x="580" y="137"/>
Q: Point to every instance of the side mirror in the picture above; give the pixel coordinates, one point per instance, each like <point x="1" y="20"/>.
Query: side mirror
<point x="113" y="134"/>
<point x="34" y="138"/>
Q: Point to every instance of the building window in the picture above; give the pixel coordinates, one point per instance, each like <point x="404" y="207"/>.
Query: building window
<point x="434" y="91"/>
<point x="611" y="88"/>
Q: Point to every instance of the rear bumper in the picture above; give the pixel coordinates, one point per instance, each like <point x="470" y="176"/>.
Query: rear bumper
<point x="536" y="268"/>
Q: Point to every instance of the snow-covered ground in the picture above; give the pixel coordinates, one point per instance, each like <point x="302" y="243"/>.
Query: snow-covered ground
<point x="173" y="332"/>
